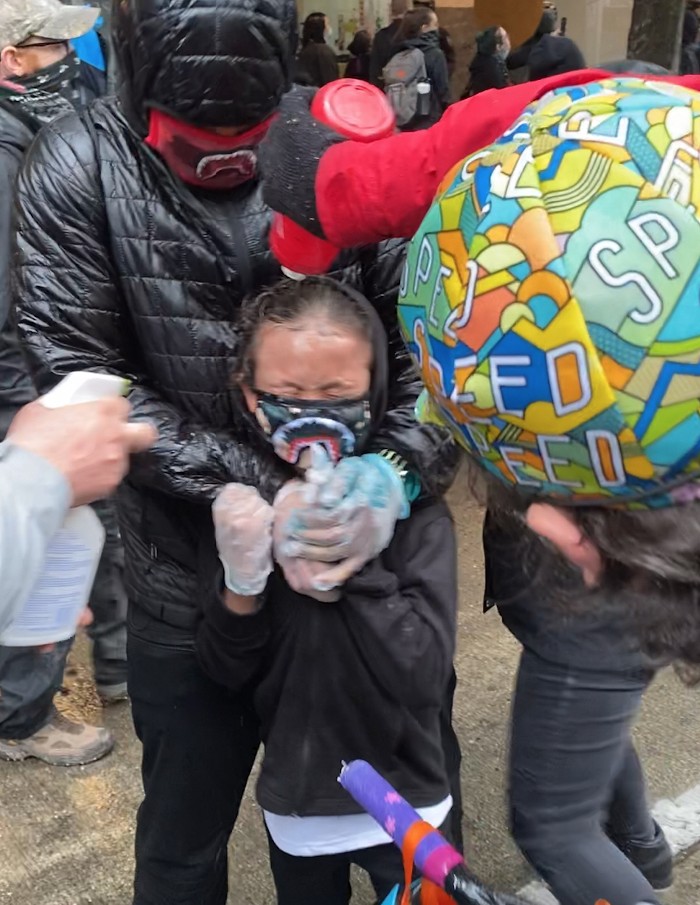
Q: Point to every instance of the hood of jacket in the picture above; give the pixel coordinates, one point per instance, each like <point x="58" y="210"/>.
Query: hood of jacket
<point x="429" y="40"/>
<point x="379" y="378"/>
<point x="203" y="61"/>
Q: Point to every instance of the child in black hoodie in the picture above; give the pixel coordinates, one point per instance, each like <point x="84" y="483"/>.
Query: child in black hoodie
<point x="361" y="671"/>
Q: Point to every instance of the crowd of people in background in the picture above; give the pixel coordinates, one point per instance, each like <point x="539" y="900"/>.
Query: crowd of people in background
<point x="495" y="64"/>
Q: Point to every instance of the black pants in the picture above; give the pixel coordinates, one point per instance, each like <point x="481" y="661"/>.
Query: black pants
<point x="29" y="679"/>
<point x="325" y="879"/>
<point x="574" y="769"/>
<point x="199" y="743"/>
<point x="453" y="764"/>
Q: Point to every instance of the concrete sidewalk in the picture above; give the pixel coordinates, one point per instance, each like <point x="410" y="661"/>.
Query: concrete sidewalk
<point x="66" y="836"/>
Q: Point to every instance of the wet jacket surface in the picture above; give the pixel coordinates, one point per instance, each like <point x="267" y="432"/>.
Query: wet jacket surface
<point x="120" y="267"/>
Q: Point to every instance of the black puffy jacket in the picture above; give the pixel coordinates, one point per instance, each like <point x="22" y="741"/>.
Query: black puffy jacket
<point x="120" y="267"/>
<point x="19" y="124"/>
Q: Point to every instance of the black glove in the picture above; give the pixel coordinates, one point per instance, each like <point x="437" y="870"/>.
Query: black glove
<point x="289" y="159"/>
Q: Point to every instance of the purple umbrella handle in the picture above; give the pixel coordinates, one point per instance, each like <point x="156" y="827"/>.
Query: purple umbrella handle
<point x="434" y="856"/>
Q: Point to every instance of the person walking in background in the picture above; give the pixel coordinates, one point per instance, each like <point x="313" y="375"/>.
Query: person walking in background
<point x="317" y="64"/>
<point x="419" y="32"/>
<point x="44" y="79"/>
<point x="488" y="68"/>
<point x="358" y="66"/>
<point x="446" y="45"/>
<point x="383" y="47"/>
<point x="553" y="54"/>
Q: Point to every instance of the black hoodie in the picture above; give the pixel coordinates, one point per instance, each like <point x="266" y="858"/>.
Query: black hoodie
<point x="365" y="677"/>
<point x="553" y="55"/>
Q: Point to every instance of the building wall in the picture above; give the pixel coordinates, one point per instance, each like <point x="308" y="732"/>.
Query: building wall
<point x="599" y="27"/>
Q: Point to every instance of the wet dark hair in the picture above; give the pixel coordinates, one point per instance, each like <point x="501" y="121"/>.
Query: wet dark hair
<point x="314" y="29"/>
<point x="413" y="22"/>
<point x="651" y="570"/>
<point x="291" y="302"/>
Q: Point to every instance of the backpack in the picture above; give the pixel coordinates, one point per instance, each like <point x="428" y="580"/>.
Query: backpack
<point x="402" y="74"/>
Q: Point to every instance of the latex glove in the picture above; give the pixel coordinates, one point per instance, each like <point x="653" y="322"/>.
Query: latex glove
<point x="289" y="158"/>
<point x="300" y="574"/>
<point x="243" y="526"/>
<point x="351" y="519"/>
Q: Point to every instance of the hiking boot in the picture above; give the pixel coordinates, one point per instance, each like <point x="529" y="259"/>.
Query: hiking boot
<point x="61" y="743"/>
<point x="653" y="860"/>
<point x="113" y="694"/>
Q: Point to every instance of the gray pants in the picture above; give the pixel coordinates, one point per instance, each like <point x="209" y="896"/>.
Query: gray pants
<point x="30" y="679"/>
<point x="574" y="769"/>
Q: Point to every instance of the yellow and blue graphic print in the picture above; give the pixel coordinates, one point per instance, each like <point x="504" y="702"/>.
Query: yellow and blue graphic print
<point x="551" y="297"/>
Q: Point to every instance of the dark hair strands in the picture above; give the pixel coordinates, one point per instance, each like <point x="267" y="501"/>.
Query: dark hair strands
<point x="413" y="22"/>
<point x="651" y="570"/>
<point x="289" y="302"/>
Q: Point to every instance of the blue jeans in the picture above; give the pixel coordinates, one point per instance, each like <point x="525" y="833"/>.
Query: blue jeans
<point x="573" y="770"/>
<point x="29" y="680"/>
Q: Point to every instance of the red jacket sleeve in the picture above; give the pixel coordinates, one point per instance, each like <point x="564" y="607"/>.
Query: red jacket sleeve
<point x="369" y="192"/>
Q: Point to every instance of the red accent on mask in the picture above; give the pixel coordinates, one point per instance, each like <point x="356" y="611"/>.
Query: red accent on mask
<point x="203" y="158"/>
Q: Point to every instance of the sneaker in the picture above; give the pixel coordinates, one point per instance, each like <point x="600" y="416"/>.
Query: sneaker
<point x="652" y="859"/>
<point x="61" y="743"/>
<point x="113" y="694"/>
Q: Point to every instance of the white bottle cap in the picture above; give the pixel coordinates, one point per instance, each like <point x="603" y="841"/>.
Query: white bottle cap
<point x="292" y="274"/>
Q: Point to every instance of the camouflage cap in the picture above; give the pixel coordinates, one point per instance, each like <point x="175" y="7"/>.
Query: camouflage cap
<point x="51" y="19"/>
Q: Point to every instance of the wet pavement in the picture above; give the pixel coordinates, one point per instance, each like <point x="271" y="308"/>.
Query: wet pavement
<point x="66" y="835"/>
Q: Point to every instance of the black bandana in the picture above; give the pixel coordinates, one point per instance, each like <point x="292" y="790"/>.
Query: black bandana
<point x="45" y="94"/>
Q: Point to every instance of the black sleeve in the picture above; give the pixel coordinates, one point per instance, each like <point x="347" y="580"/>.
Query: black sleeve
<point x="16" y="387"/>
<point x="328" y="66"/>
<point x="231" y="648"/>
<point x="72" y="317"/>
<point x="575" y="57"/>
<point x="520" y="56"/>
<point x="405" y="621"/>
<point x="439" y="78"/>
<point x="10" y="161"/>
<point x="377" y="59"/>
<point x="496" y="74"/>
<point x="430" y="451"/>
<point x="448" y="49"/>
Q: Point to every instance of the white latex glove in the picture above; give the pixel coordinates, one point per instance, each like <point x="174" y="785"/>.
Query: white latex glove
<point x="243" y="525"/>
<point x="349" y="520"/>
<point x="300" y="574"/>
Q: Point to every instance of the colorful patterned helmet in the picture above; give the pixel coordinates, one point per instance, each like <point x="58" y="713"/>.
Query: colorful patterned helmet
<point x="551" y="298"/>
